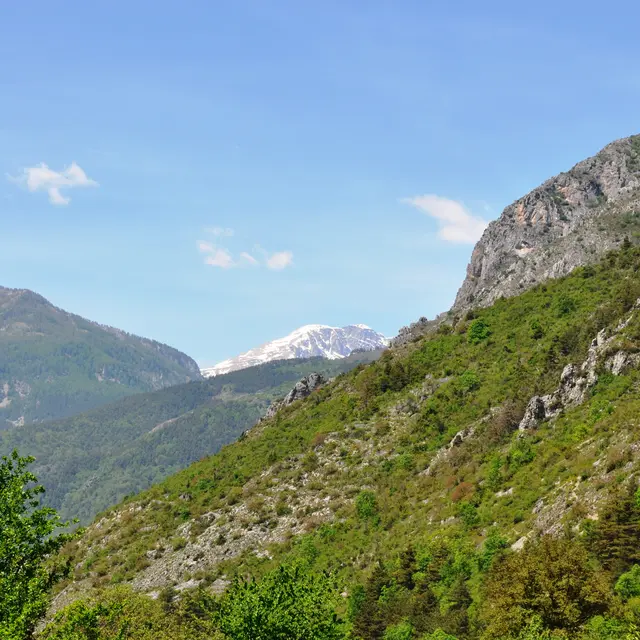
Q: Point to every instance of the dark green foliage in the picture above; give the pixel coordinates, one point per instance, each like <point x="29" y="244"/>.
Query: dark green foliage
<point x="615" y="539"/>
<point x="368" y="616"/>
<point x="552" y="579"/>
<point x="367" y="505"/>
<point x="565" y="305"/>
<point x="478" y="331"/>
<point x="536" y="330"/>
<point x="121" y="614"/>
<point x="628" y="584"/>
<point x="28" y="536"/>
<point x="494" y="547"/>
<point x="453" y="482"/>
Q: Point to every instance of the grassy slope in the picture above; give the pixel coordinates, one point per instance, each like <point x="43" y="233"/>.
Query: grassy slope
<point x="341" y="476"/>
<point x="93" y="460"/>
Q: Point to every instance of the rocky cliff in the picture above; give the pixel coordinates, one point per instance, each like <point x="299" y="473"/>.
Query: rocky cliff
<point x="568" y="221"/>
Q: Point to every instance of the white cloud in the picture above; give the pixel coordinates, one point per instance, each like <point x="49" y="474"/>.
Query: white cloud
<point x="217" y="256"/>
<point x="220" y="258"/>
<point x="457" y="223"/>
<point x="220" y="232"/>
<point x="249" y="258"/>
<point x="280" y="260"/>
<point x="205" y="247"/>
<point x="42" y="178"/>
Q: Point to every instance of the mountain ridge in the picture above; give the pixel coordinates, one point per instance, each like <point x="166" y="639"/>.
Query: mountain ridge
<point x="54" y="363"/>
<point x="307" y="341"/>
<point x="489" y="456"/>
<point x="436" y="456"/>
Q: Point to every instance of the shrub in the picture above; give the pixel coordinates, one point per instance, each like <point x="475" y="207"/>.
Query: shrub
<point x="550" y="578"/>
<point x="628" y="584"/>
<point x="468" y="381"/>
<point x="366" y="505"/>
<point x="478" y="331"/>
<point x="290" y="602"/>
<point x="535" y="329"/>
<point x="463" y="490"/>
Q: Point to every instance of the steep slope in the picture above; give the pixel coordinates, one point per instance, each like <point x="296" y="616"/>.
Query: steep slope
<point x="570" y="220"/>
<point x="54" y="364"/>
<point x="92" y="460"/>
<point x="517" y="421"/>
<point x="307" y="342"/>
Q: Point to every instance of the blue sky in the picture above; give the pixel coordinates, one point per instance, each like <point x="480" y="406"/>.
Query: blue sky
<point x="352" y="149"/>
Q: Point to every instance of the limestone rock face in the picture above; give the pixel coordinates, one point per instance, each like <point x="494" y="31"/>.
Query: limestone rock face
<point x="555" y="228"/>
<point x="569" y="221"/>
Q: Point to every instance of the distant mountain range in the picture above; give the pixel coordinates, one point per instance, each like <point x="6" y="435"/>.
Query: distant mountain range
<point x="54" y="364"/>
<point x="306" y="342"/>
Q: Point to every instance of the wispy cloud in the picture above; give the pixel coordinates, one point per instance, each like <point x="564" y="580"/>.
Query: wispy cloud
<point x="220" y="232"/>
<point x="249" y="258"/>
<point x="220" y="258"/>
<point x="457" y="223"/>
<point x="42" y="178"/>
<point x="216" y="255"/>
<point x="280" y="260"/>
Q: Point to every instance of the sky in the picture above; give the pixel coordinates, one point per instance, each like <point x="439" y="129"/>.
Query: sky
<point x="214" y="174"/>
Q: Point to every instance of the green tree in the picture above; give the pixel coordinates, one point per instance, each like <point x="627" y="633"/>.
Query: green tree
<point x="401" y="631"/>
<point x="289" y="603"/>
<point x="369" y="622"/>
<point x="121" y="614"/>
<point x="27" y="539"/>
<point x="615" y="538"/>
<point x="366" y="505"/>
<point x="550" y="578"/>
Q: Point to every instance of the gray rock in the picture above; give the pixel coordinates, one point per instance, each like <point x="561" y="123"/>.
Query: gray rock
<point x="568" y="221"/>
<point x="535" y="413"/>
<point x="303" y="388"/>
<point x="575" y="382"/>
<point x="555" y="228"/>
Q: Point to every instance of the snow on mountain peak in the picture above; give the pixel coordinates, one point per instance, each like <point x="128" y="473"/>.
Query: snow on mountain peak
<point x="305" y="342"/>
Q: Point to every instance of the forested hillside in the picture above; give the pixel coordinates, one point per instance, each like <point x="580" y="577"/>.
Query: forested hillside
<point x="91" y="461"/>
<point x="479" y="482"/>
<point x="54" y="364"/>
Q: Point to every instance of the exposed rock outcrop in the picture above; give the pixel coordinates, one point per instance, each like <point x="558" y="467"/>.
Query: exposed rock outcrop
<point x="303" y="388"/>
<point x="555" y="228"/>
<point x="576" y="381"/>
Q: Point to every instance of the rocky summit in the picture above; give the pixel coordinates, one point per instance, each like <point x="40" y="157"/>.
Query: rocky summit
<point x="570" y="220"/>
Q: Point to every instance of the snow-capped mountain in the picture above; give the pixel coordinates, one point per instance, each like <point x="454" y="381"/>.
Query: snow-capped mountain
<point x="306" y="342"/>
